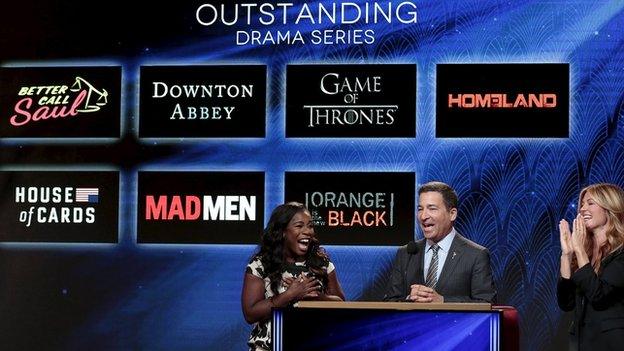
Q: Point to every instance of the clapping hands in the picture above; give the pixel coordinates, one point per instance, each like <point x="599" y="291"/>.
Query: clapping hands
<point x="573" y="243"/>
<point x="579" y="235"/>
<point x="565" y="237"/>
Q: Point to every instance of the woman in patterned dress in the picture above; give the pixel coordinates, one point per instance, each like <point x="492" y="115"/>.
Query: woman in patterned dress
<point x="289" y="266"/>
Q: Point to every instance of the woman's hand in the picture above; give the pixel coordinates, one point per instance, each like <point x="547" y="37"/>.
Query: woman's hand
<point x="579" y="239"/>
<point x="565" y="237"/>
<point x="302" y="287"/>
<point x="567" y="251"/>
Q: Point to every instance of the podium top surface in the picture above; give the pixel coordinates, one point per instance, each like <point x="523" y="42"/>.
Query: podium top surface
<point x="449" y="306"/>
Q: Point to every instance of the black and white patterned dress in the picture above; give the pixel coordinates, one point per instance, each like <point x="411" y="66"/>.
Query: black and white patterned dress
<point x="260" y="338"/>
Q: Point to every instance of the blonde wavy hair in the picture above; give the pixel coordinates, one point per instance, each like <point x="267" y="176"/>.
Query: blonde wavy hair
<point x="611" y="198"/>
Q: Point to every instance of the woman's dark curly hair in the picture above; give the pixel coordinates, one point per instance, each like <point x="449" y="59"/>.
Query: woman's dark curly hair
<point x="271" y="250"/>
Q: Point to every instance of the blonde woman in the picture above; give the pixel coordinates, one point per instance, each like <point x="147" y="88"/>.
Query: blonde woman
<point x="592" y="269"/>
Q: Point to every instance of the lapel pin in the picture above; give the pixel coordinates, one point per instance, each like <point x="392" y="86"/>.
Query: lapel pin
<point x="452" y="257"/>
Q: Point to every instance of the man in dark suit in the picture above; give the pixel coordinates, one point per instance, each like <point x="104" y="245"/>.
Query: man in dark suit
<point x="444" y="266"/>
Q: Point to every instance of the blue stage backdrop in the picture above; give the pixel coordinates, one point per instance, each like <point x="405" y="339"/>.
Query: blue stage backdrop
<point x="513" y="191"/>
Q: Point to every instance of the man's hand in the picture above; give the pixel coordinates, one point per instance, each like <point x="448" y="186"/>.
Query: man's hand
<point x="421" y="293"/>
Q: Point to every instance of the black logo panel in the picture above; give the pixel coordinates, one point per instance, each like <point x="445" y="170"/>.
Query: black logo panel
<point x="351" y="101"/>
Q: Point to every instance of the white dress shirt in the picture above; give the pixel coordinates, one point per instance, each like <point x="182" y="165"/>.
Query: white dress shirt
<point x="443" y="251"/>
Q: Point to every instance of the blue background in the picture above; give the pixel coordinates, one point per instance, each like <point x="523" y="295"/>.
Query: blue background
<point x="513" y="192"/>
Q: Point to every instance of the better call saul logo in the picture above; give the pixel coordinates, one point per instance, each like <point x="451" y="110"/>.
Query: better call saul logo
<point x="202" y="101"/>
<point x="351" y="101"/>
<point x="200" y="207"/>
<point x="60" y="102"/>
<point x="79" y="207"/>
<point x="358" y="208"/>
<point x="503" y="100"/>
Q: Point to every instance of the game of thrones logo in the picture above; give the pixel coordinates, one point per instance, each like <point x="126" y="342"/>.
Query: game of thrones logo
<point x="351" y="101"/>
<point x="352" y="112"/>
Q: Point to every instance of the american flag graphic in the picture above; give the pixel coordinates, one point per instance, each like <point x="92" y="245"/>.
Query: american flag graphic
<point x="87" y="195"/>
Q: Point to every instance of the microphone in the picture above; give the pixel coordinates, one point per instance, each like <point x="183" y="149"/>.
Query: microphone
<point x="411" y="250"/>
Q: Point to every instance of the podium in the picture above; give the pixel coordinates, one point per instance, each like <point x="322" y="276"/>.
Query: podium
<point x="325" y="325"/>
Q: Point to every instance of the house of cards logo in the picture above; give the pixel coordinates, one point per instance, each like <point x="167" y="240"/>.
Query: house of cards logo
<point x="351" y="101"/>
<point x="202" y="101"/>
<point x="60" y="207"/>
<point x="60" y="102"/>
<point x="502" y="100"/>
<point x="38" y="199"/>
<point x="356" y="208"/>
<point x="200" y="207"/>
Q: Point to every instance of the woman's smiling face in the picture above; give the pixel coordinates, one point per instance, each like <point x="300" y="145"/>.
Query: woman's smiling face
<point x="297" y="236"/>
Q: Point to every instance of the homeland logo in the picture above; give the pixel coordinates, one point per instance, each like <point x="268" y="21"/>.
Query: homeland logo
<point x="60" y="101"/>
<point x="502" y="100"/>
<point x="484" y="101"/>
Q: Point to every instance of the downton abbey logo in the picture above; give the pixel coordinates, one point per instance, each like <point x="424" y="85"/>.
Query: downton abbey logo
<point x="202" y="101"/>
<point x="60" y="101"/>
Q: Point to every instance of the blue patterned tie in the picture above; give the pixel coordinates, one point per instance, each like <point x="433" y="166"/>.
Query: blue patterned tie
<point x="432" y="273"/>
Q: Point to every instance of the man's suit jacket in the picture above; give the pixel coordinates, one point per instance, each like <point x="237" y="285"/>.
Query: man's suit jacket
<point x="466" y="275"/>
<point x="598" y="304"/>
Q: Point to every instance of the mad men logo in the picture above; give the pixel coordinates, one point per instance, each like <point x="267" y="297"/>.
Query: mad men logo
<point x="60" y="207"/>
<point x="357" y="208"/>
<point x="60" y="101"/>
<point x="204" y="208"/>
<point x="202" y="101"/>
<point x="200" y="207"/>
<point x="351" y="101"/>
<point x="502" y="100"/>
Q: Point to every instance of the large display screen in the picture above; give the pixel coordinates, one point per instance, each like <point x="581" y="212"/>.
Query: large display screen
<point x="143" y="147"/>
